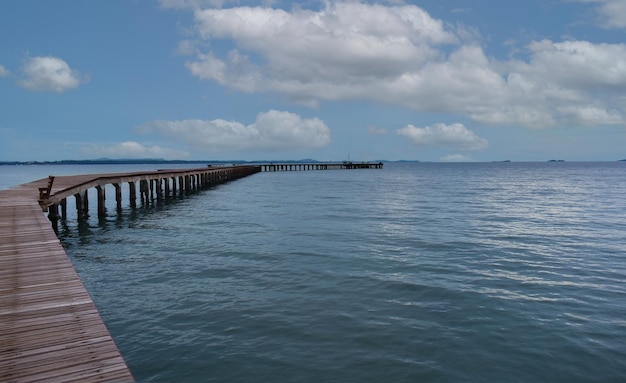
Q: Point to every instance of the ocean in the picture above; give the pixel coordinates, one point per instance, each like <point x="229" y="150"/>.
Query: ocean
<point x="419" y="272"/>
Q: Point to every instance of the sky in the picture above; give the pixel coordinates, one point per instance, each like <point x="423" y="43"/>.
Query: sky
<point x="432" y="80"/>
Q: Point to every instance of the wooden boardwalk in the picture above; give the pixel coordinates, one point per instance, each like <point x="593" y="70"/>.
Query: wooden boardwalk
<point x="50" y="329"/>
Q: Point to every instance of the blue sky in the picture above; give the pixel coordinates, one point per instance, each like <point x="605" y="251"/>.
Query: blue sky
<point x="455" y="80"/>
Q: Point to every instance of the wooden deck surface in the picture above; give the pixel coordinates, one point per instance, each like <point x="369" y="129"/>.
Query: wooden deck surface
<point x="50" y="329"/>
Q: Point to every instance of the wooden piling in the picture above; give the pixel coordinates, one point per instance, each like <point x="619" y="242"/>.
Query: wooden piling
<point x="132" y="191"/>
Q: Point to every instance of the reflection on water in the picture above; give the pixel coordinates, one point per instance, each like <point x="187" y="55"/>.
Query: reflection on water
<point x="418" y="272"/>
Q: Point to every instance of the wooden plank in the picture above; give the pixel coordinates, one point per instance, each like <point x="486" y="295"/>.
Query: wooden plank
<point x="87" y="366"/>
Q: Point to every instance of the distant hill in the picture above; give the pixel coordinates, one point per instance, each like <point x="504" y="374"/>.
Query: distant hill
<point x="102" y="161"/>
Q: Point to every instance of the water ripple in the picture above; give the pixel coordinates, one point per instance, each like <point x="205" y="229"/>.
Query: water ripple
<point x="420" y="272"/>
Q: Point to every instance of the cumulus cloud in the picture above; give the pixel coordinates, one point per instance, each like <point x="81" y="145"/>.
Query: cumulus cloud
<point x="455" y="136"/>
<point x="574" y="82"/>
<point x="50" y="74"/>
<point x="612" y="13"/>
<point x="577" y="64"/>
<point x="272" y="130"/>
<point x="4" y="72"/>
<point x="132" y="149"/>
<point x="307" y="52"/>
<point x="400" y="55"/>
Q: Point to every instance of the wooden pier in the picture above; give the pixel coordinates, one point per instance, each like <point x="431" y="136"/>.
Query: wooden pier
<point x="50" y="329"/>
<point x="144" y="186"/>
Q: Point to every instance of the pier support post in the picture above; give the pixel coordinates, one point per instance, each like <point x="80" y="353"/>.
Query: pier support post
<point x="144" y="191"/>
<point x="118" y="196"/>
<point x="82" y="203"/>
<point x="53" y="213"/>
<point x="53" y="216"/>
<point x="151" y="186"/>
<point x="86" y="201"/>
<point x="63" y="204"/>
<point x="133" y="194"/>
<point x="102" y="211"/>
<point x="159" y="188"/>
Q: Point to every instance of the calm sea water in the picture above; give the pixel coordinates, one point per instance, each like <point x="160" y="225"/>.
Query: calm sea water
<point x="428" y="272"/>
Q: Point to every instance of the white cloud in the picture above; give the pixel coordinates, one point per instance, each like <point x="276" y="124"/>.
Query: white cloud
<point x="612" y="13"/>
<point x="615" y="13"/>
<point x="573" y="82"/>
<point x="4" y="72"/>
<point x="49" y="74"/>
<point x="307" y="52"/>
<point x="272" y="130"/>
<point x="455" y="136"/>
<point x="132" y="149"/>
<point x="400" y="55"/>
<point x="577" y="65"/>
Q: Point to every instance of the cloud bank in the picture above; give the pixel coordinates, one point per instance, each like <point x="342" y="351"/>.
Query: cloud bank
<point x="272" y="130"/>
<point x="4" y="72"/>
<point x="400" y="55"/>
<point x="455" y="136"/>
<point x="49" y="74"/>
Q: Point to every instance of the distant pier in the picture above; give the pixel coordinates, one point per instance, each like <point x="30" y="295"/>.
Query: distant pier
<point x="297" y="166"/>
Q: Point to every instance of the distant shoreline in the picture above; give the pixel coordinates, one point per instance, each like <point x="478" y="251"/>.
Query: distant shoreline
<point x="148" y="161"/>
